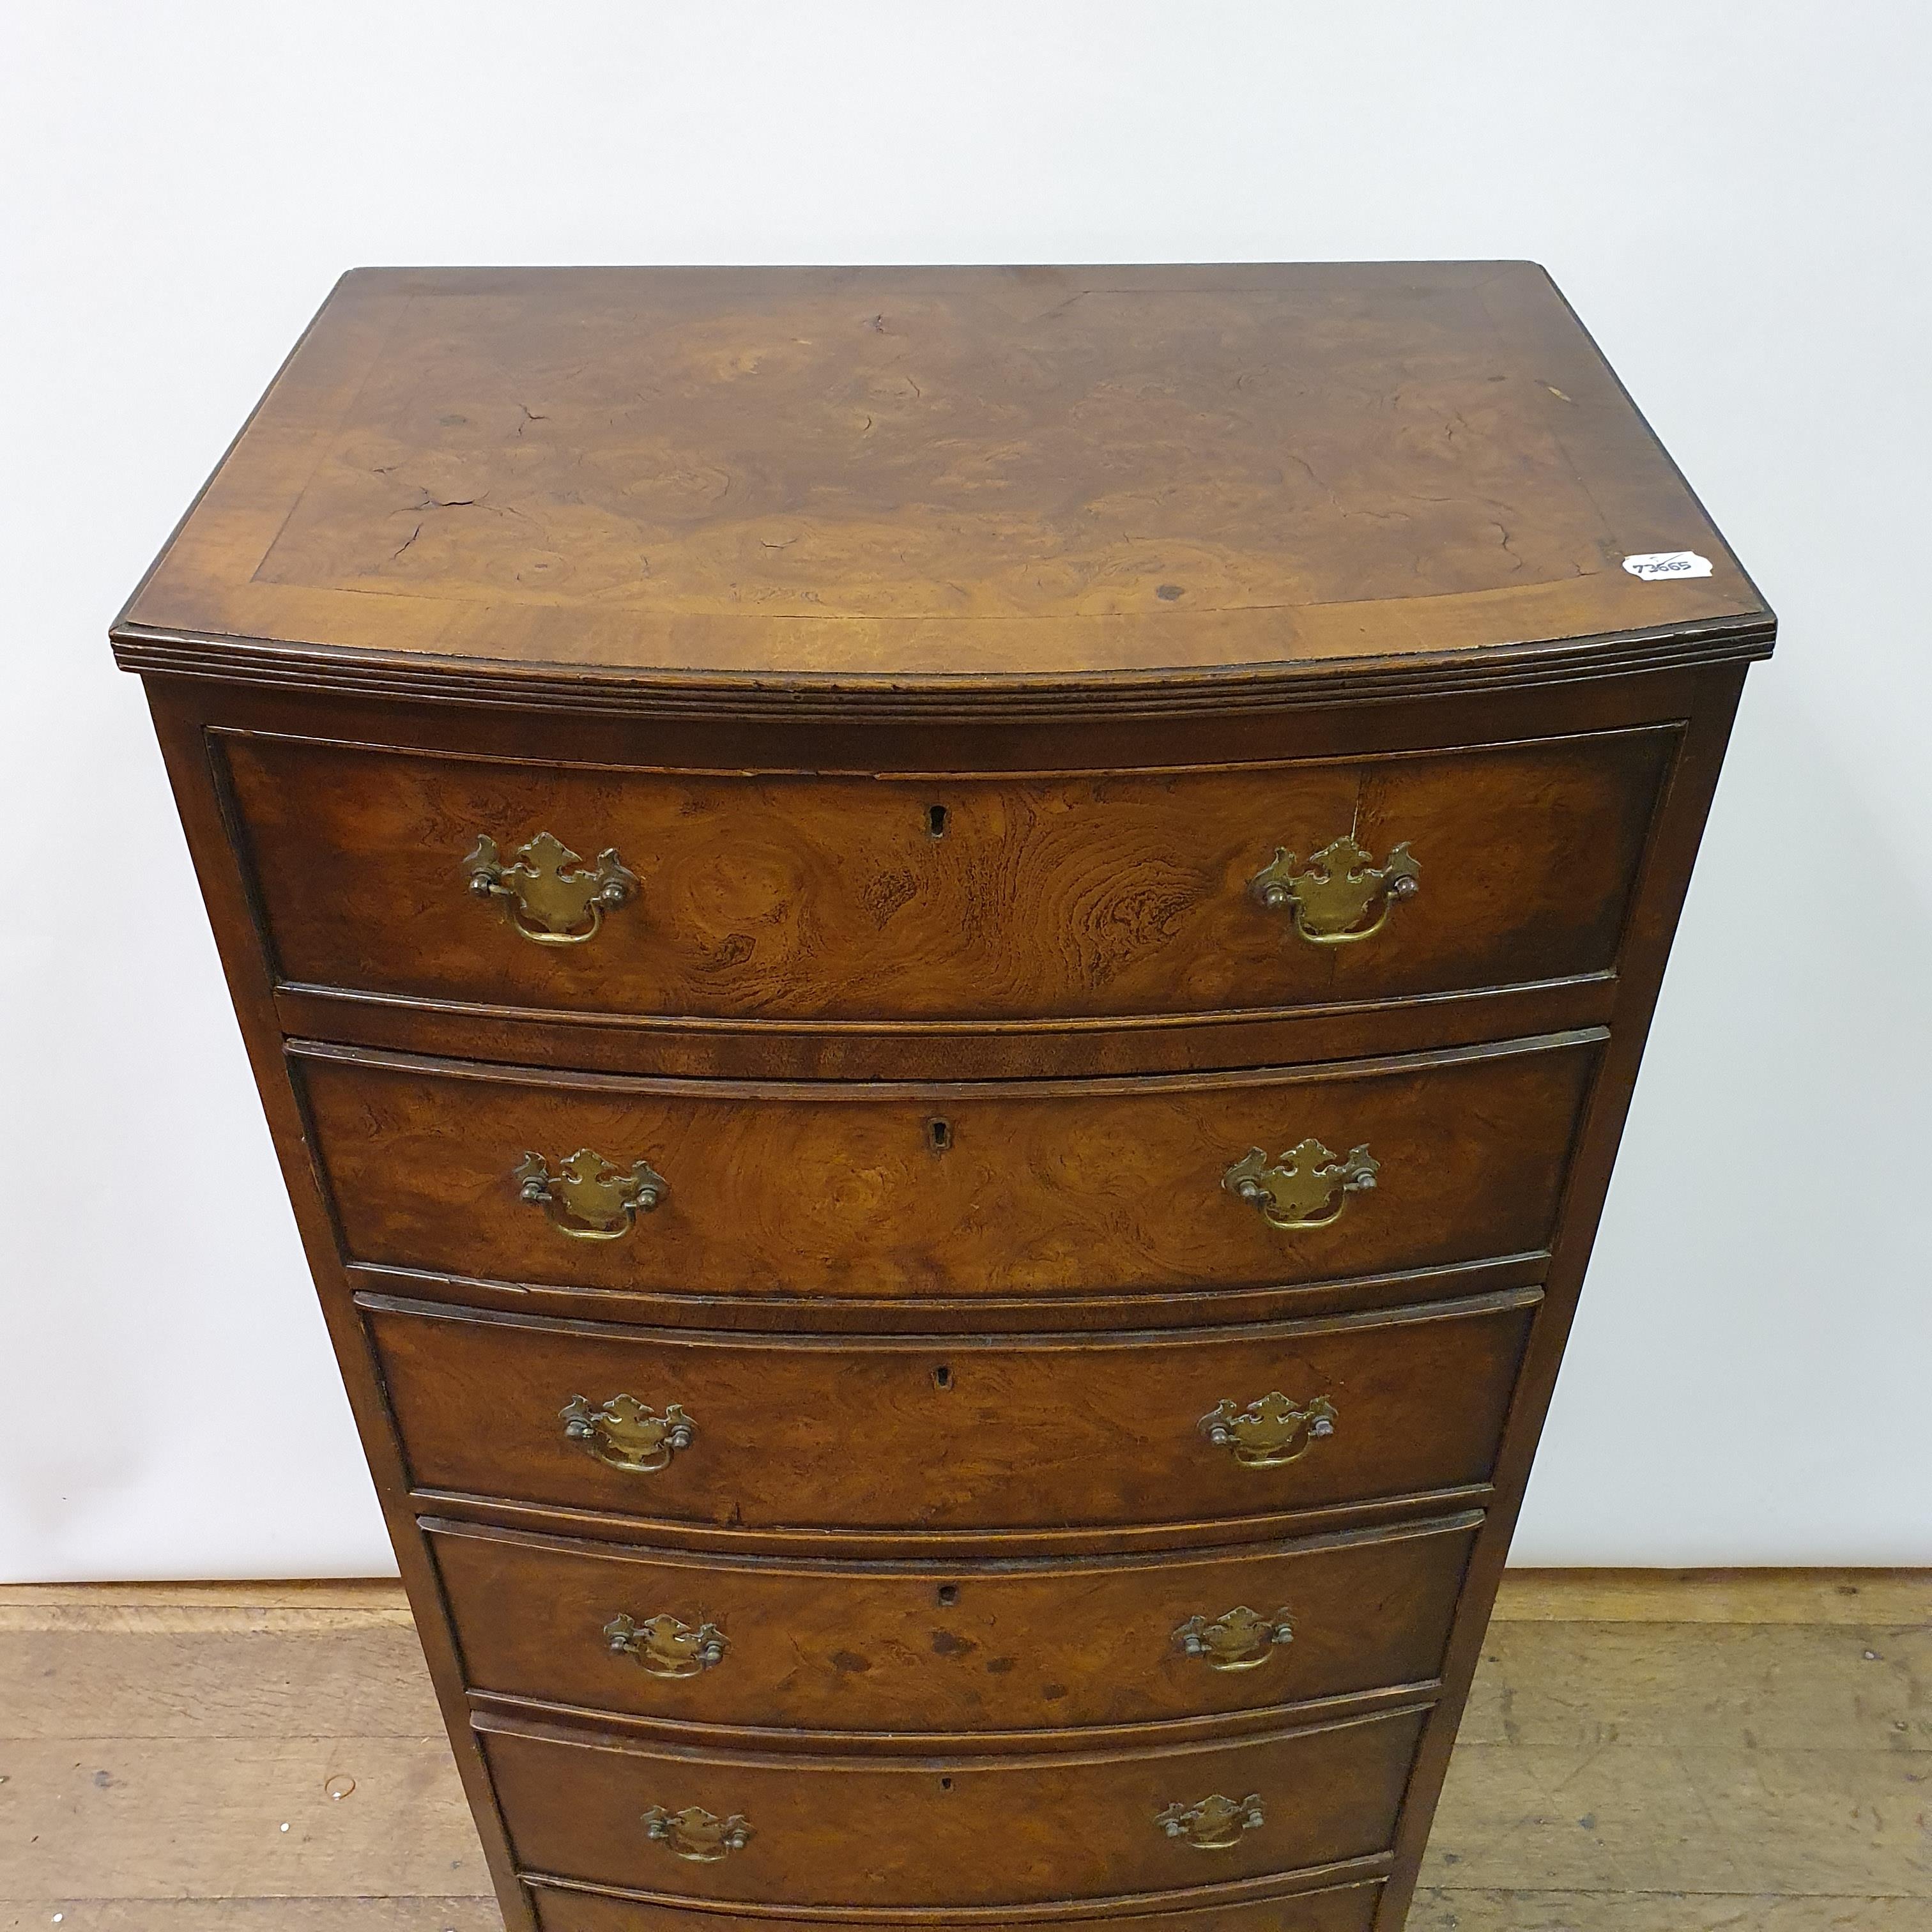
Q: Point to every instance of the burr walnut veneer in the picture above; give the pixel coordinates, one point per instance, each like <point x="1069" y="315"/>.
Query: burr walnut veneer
<point x="947" y="963"/>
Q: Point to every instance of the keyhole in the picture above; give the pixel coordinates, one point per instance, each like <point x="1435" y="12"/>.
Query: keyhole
<point x="935" y="821"/>
<point x="946" y="1784"/>
<point x="949" y="1595"/>
<point x="941" y="1134"/>
<point x="942" y="1377"/>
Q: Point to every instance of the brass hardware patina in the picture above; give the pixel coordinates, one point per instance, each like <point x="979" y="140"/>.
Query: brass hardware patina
<point x="1238" y="1639"/>
<point x="1271" y="1431"/>
<point x="588" y="1198"/>
<point x="1308" y="1187"/>
<point x="625" y="1434"/>
<point x="1327" y="903"/>
<point x="665" y="1647"/>
<point x="1215" y="1823"/>
<point x="547" y="902"/>
<point x="696" y="1833"/>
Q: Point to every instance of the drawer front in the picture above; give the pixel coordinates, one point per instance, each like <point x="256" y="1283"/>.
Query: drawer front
<point x="874" y="1832"/>
<point x="1019" y="1646"/>
<point x="752" y="897"/>
<point x="1348" y="1908"/>
<point x="918" y="1193"/>
<point x="921" y="1435"/>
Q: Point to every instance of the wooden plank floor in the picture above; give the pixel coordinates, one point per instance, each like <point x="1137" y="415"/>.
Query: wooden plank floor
<point x="1745" y="1752"/>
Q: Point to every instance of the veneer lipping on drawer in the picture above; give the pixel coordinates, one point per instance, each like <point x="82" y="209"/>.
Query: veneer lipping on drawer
<point x="769" y="898"/>
<point x="818" y="1650"/>
<point x="1330" y="1900"/>
<point x="930" y="1191"/>
<point x="888" y="1834"/>
<point x="953" y="1436"/>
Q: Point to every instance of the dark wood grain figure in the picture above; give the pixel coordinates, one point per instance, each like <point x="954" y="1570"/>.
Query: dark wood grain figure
<point x="947" y="963"/>
<point x="939" y="1190"/>
<point x="790" y="898"/>
<point x="1089" y="1643"/>
<point x="1324" y="1907"/>
<point x="988" y="1829"/>
<point x="1024" y="1433"/>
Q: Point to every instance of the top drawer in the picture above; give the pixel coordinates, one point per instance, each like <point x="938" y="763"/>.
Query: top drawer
<point x="841" y="899"/>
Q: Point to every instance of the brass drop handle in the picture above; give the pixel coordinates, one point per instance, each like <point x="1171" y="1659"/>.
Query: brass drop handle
<point x="1270" y="1432"/>
<point x="626" y="1434"/>
<point x="1216" y="1823"/>
<point x="1307" y="1187"/>
<point x="588" y="1198"/>
<point x="697" y="1834"/>
<point x="1238" y="1639"/>
<point x="665" y="1646"/>
<point x="547" y="900"/>
<point x="1328" y="902"/>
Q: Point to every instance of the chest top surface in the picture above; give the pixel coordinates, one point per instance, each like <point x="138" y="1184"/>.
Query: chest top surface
<point x="932" y="480"/>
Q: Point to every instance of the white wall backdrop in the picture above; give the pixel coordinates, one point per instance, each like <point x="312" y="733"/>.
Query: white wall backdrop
<point x="1733" y="196"/>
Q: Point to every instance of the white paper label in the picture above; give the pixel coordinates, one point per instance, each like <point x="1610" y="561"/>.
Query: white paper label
<point x="1668" y="563"/>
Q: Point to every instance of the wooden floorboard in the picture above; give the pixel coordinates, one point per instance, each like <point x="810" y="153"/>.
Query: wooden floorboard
<point x="255" y="1914"/>
<point x="1715" y="1596"/>
<point x="1435" y="1911"/>
<point x="1720" y="1752"/>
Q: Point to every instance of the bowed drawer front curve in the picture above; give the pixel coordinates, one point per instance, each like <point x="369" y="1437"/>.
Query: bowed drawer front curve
<point x="1346" y="1905"/>
<point x="832" y="899"/>
<point x="865" y="1436"/>
<point x="1053" y="1188"/>
<point x="934" y="1831"/>
<point x="832" y="1645"/>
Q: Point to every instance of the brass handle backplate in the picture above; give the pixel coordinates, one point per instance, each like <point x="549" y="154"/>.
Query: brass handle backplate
<point x="547" y="900"/>
<point x="1330" y="903"/>
<point x="664" y="1646"/>
<point x="1238" y="1639"/>
<point x="1214" y="1824"/>
<point x="588" y="1198"/>
<point x="625" y="1434"/>
<point x="1307" y="1187"/>
<point x="696" y="1833"/>
<point x="1271" y="1431"/>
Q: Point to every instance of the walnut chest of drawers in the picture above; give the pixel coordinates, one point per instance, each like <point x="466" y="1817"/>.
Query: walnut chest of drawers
<point x="947" y="963"/>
